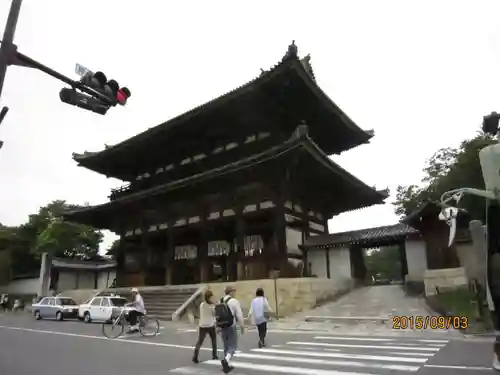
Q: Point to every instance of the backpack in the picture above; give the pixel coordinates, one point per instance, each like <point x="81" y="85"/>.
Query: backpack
<point x="223" y="315"/>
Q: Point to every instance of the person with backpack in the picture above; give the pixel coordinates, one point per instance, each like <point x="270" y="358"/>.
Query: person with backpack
<point x="206" y="326"/>
<point x="257" y="315"/>
<point x="227" y="315"/>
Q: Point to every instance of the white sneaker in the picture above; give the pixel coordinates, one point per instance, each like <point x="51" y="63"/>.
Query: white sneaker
<point x="496" y="362"/>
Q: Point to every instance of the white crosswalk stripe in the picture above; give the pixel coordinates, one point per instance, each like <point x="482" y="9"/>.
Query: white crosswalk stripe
<point x="329" y="355"/>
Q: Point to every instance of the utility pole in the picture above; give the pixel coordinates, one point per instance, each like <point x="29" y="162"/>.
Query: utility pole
<point x="8" y="48"/>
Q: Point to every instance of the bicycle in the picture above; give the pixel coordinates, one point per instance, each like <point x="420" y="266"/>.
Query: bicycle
<point x="118" y="323"/>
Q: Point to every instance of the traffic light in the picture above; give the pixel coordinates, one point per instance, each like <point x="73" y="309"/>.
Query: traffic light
<point x="490" y="123"/>
<point x="84" y="101"/>
<point x="110" y="88"/>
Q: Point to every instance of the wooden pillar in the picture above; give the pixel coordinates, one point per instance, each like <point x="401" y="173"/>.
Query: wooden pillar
<point x="120" y="262"/>
<point x="170" y="254"/>
<point x="145" y="255"/>
<point x="202" y="254"/>
<point x="240" y="243"/>
<point x="280" y="226"/>
<point x="327" y="262"/>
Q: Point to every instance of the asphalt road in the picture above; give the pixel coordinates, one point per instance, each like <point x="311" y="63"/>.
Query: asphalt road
<point x="52" y="348"/>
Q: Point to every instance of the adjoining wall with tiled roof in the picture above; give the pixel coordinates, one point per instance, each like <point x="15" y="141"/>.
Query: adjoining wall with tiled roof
<point x="369" y="237"/>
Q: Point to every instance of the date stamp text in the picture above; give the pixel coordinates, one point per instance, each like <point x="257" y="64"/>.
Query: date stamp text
<point x="403" y="322"/>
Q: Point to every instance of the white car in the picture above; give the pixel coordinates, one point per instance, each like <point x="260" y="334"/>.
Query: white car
<point x="100" y="308"/>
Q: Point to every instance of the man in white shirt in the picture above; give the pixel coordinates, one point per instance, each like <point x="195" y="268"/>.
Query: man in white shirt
<point x="138" y="310"/>
<point x="229" y="334"/>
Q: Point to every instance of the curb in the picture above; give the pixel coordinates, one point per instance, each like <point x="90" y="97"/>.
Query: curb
<point x="378" y="319"/>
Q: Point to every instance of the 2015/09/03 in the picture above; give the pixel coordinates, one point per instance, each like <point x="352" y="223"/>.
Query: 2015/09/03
<point x="400" y="322"/>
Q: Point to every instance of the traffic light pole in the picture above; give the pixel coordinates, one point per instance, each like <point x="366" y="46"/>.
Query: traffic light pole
<point x="10" y="56"/>
<point x="8" y="47"/>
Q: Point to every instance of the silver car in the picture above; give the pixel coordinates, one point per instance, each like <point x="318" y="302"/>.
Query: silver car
<point x="58" y="308"/>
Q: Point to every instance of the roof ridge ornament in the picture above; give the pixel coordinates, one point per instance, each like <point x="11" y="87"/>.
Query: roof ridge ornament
<point x="301" y="131"/>
<point x="306" y="64"/>
<point x="291" y="52"/>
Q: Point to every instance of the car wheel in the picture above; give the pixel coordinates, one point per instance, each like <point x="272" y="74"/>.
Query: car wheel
<point x="59" y="316"/>
<point x="86" y="317"/>
<point x="37" y="315"/>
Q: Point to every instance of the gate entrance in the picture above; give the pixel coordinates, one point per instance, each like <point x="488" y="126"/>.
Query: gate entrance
<point x="370" y="250"/>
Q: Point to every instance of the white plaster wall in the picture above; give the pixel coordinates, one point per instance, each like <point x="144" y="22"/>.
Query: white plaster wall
<point x="340" y="264"/>
<point x="67" y="280"/>
<point x="86" y="280"/>
<point x="416" y="259"/>
<point x="293" y="240"/>
<point x="102" y="279"/>
<point x="21" y="286"/>
<point x="318" y="262"/>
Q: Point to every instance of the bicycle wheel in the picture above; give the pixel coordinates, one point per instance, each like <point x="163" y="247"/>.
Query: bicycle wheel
<point x="149" y="326"/>
<point x="114" y="329"/>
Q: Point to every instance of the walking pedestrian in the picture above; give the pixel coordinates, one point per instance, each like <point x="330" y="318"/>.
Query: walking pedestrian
<point x="206" y="325"/>
<point x="259" y="310"/>
<point x="228" y="314"/>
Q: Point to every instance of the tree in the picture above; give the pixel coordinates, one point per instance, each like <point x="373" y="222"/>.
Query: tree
<point x="46" y="232"/>
<point x="113" y="249"/>
<point x="384" y="263"/>
<point x="449" y="168"/>
<point x="16" y="256"/>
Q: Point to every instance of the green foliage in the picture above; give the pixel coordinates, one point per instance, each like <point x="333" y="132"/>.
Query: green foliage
<point x="449" y="168"/>
<point x="46" y="232"/>
<point x="384" y="263"/>
<point x="113" y="249"/>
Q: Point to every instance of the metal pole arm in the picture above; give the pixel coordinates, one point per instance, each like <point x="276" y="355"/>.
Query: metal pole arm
<point x="28" y="61"/>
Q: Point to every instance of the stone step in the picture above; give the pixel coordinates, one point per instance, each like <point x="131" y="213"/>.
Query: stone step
<point x="163" y="303"/>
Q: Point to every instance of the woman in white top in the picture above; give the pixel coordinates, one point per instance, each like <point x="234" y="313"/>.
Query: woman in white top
<point x="206" y="326"/>
<point x="258" y="311"/>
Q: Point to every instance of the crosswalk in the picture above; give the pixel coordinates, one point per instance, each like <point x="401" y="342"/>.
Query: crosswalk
<point x="329" y="355"/>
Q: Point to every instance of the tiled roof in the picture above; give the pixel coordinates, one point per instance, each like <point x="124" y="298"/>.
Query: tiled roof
<point x="82" y="265"/>
<point x="299" y="139"/>
<point x="367" y="237"/>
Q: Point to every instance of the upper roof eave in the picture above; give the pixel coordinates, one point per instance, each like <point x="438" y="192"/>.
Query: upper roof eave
<point x="290" y="60"/>
<point x="299" y="138"/>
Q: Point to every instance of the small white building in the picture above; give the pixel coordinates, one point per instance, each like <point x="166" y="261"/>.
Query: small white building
<point x="66" y="274"/>
<point x="69" y="274"/>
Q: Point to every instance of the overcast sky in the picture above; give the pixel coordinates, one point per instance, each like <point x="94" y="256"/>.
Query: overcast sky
<point x="420" y="73"/>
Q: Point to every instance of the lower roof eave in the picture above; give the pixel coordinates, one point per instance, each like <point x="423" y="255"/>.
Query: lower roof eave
<point x="298" y="139"/>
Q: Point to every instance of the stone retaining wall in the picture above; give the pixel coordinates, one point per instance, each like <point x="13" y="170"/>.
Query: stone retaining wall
<point x="293" y="295"/>
<point x="446" y="279"/>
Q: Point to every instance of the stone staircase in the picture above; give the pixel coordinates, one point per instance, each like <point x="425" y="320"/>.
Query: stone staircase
<point x="160" y="302"/>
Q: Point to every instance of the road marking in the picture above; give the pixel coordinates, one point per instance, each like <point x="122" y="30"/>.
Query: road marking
<point x="364" y="346"/>
<point x="120" y="339"/>
<point x="430" y="342"/>
<point x="407" y="353"/>
<point x="474" y="368"/>
<point x="382" y="358"/>
<point x="309" y="348"/>
<point x="134" y="336"/>
<point x="350" y="338"/>
<point x="283" y="369"/>
<point x="315" y="361"/>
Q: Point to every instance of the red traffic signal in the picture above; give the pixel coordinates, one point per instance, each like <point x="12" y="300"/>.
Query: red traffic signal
<point x="122" y="95"/>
